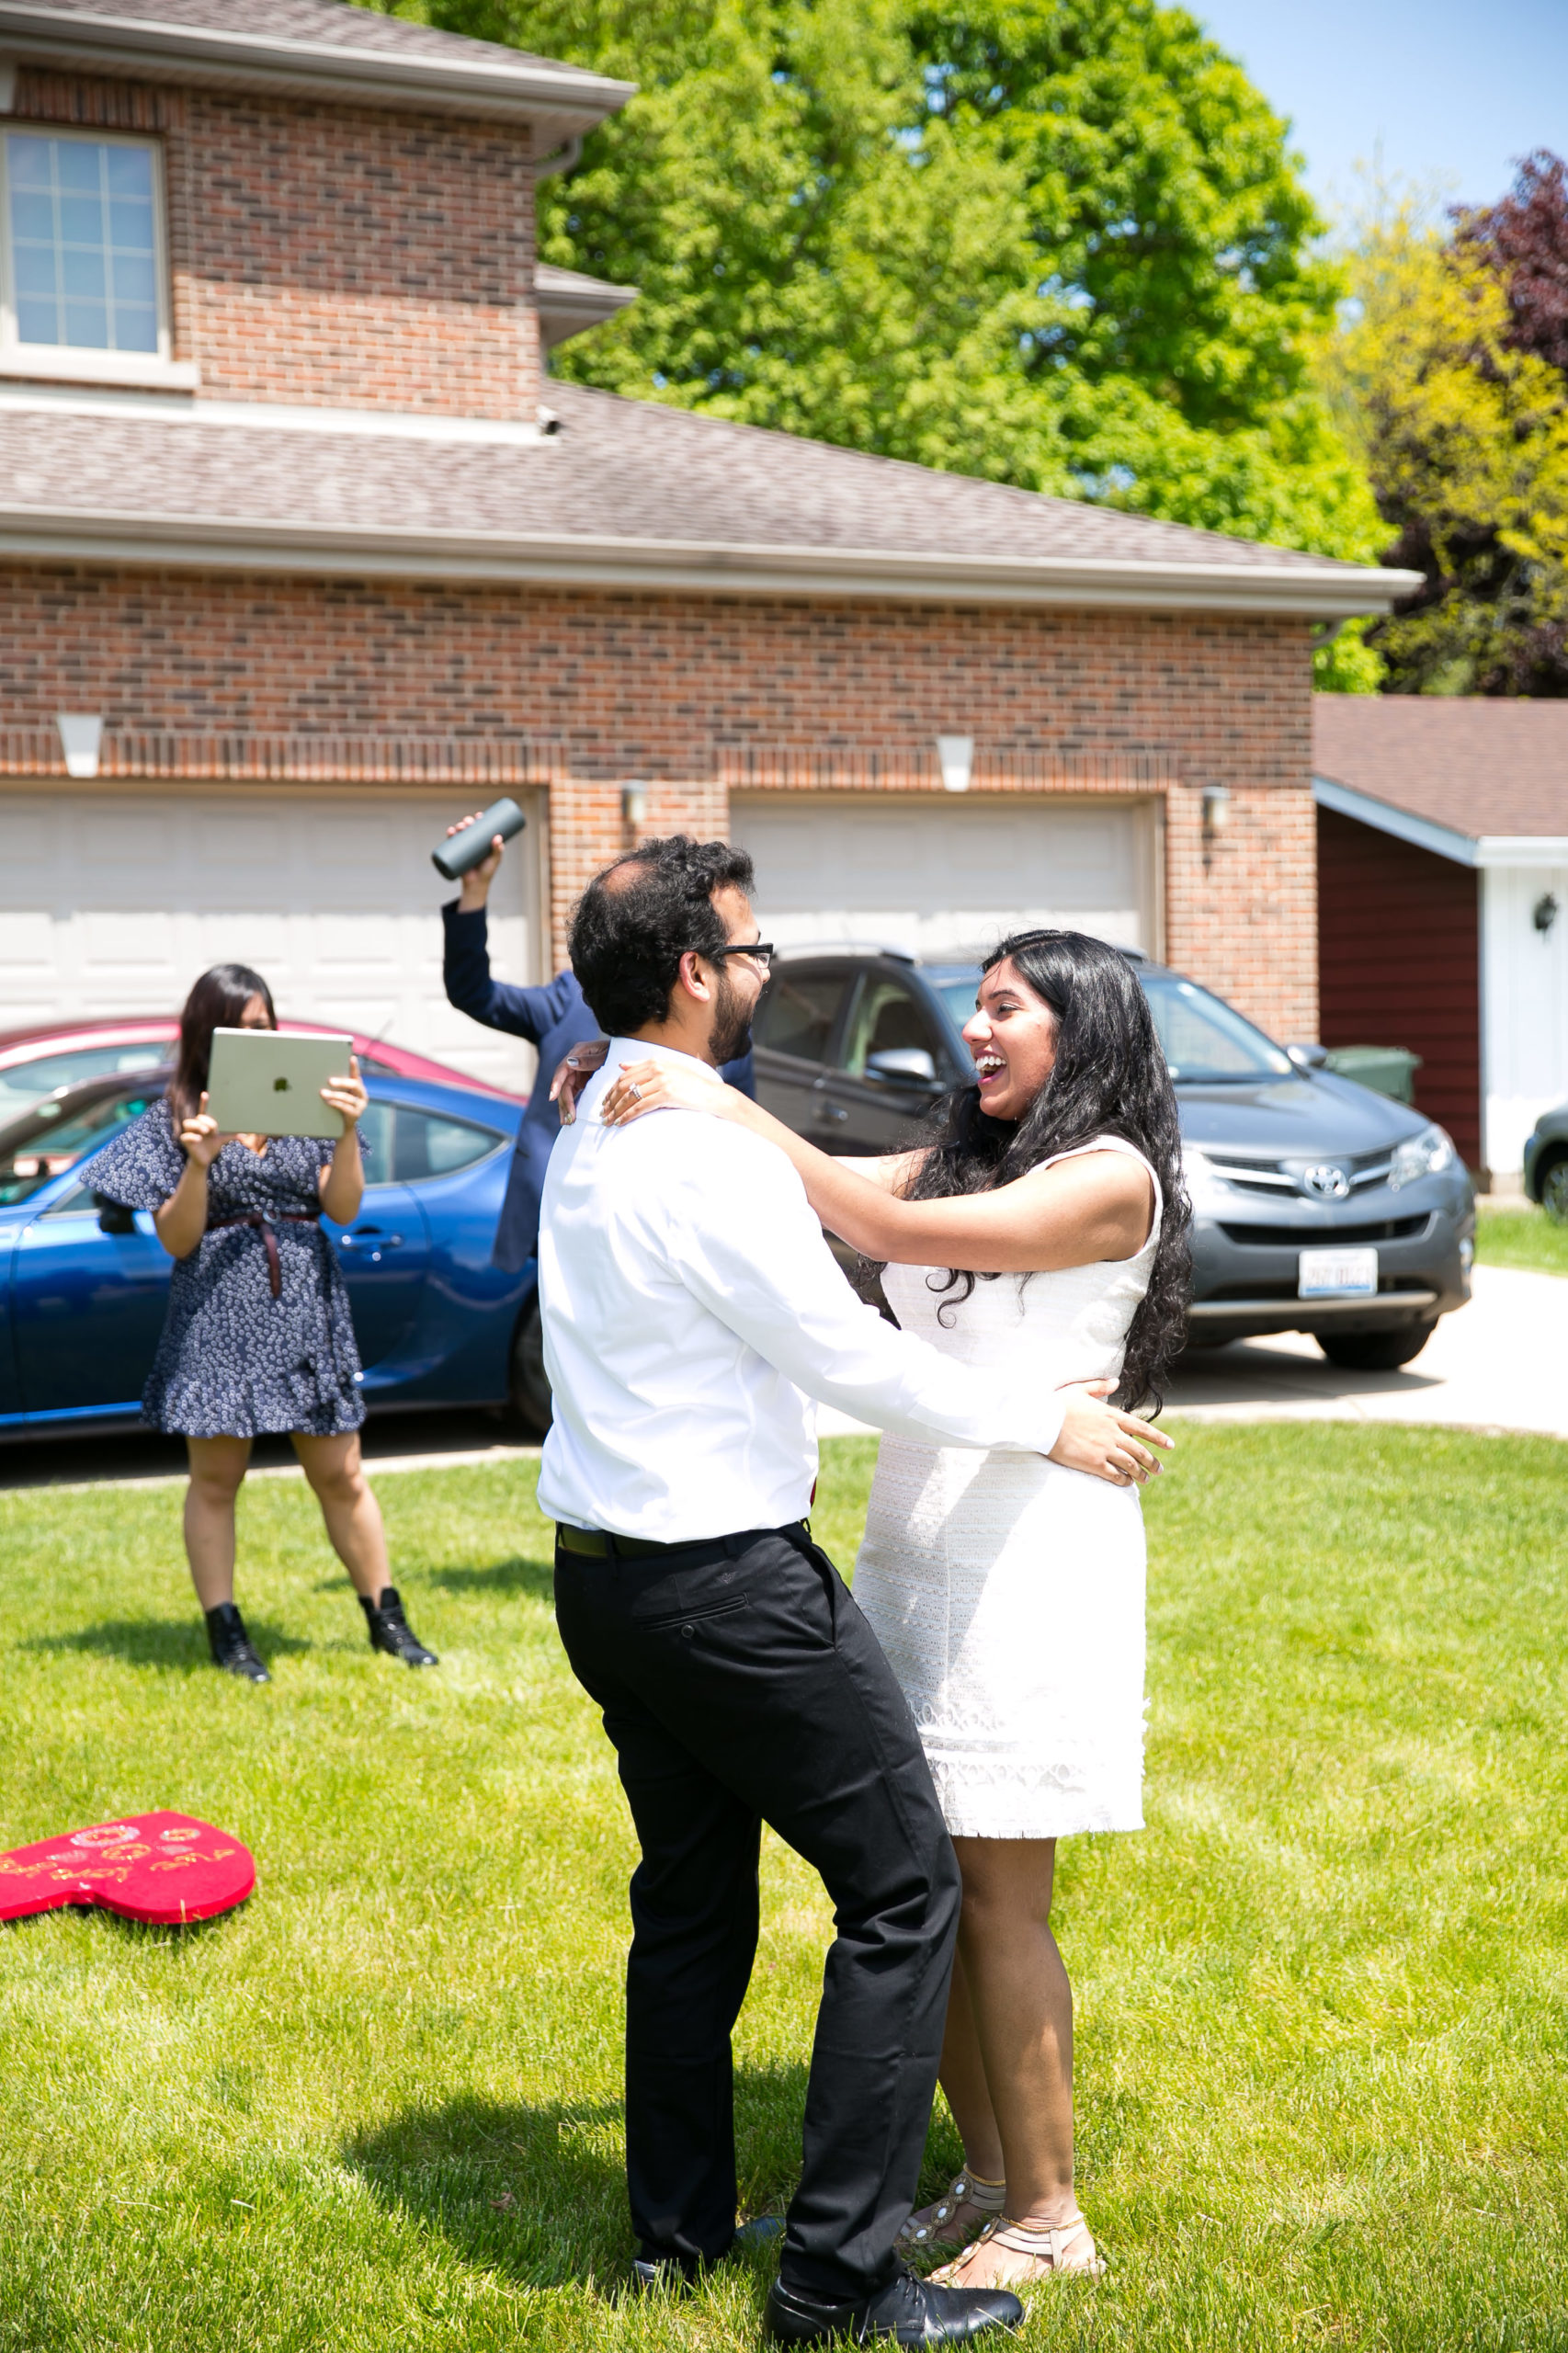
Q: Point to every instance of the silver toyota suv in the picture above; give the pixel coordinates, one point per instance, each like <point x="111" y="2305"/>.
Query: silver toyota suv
<point x="1317" y="1205"/>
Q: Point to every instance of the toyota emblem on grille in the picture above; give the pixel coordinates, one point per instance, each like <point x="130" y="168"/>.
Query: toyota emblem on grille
<point x="1330" y="1184"/>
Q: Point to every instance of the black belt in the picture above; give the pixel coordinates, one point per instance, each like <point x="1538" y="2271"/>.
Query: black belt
<point x="598" y="1544"/>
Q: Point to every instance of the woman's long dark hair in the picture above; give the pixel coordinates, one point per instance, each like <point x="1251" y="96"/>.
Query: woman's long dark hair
<point x="217" y="1001"/>
<point x="1109" y="1078"/>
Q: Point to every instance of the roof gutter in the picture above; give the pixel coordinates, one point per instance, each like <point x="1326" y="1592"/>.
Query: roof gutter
<point x="208" y="542"/>
<point x="1444" y="841"/>
<point x="564" y="97"/>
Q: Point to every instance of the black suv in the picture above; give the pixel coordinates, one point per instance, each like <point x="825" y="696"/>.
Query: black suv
<point x="1317" y="1205"/>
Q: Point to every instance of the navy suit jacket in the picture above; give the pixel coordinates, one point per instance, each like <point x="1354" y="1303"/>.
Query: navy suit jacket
<point x="555" y="1019"/>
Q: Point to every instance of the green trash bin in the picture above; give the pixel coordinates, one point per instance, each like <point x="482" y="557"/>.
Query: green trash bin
<point x="1387" y="1070"/>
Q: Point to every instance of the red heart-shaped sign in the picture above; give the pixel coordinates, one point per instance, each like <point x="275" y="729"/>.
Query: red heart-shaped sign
<point x="165" y="1868"/>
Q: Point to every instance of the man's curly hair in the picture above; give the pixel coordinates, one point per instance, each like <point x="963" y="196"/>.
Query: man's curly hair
<point x="636" y="920"/>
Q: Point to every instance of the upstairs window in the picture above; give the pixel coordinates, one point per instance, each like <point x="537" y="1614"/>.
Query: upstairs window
<point x="80" y="245"/>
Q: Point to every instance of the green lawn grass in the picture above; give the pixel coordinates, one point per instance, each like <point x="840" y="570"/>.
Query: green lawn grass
<point x="1520" y="1237"/>
<point x="1322" y="2000"/>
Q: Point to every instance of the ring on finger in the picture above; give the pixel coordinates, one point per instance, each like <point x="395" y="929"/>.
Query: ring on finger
<point x="634" y="1091"/>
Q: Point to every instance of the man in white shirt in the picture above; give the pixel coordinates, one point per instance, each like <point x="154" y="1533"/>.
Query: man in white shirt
<point x="691" y="1311"/>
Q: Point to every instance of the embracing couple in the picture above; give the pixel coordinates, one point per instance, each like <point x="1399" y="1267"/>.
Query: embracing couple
<point x="924" y="1744"/>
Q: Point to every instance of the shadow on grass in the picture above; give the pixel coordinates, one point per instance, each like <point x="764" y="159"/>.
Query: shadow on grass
<point x="163" y="1641"/>
<point x="538" y="2194"/>
<point x="532" y="2193"/>
<point x="536" y="1578"/>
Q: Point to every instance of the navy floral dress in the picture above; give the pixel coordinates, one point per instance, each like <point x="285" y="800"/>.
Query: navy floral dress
<point x="234" y="1361"/>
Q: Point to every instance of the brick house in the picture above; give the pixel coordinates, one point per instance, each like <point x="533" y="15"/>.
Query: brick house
<point x="293" y="516"/>
<point x="1443" y="903"/>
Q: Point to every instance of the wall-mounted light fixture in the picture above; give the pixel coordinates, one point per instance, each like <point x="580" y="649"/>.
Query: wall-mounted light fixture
<point x="955" y="754"/>
<point x="634" y="805"/>
<point x="1545" y="915"/>
<point x="1216" y="809"/>
<point x="81" y="733"/>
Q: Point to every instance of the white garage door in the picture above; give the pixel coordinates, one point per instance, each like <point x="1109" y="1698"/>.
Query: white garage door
<point x="946" y="878"/>
<point x="114" y="904"/>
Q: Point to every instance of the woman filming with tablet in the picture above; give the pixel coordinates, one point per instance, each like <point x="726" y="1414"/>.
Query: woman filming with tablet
<point x="257" y="1337"/>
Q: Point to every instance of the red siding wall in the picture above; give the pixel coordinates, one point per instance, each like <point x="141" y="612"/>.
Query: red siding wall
<point x="1398" y="948"/>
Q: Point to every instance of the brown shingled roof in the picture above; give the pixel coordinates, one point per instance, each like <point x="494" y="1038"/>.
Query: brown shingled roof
<point x="1477" y="765"/>
<point x="625" y="483"/>
<point x="322" y="23"/>
<point x="312" y="45"/>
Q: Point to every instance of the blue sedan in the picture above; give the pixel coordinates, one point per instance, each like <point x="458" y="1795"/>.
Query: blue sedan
<point x="82" y="1286"/>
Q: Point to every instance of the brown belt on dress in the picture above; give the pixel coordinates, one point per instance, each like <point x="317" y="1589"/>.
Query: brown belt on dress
<point x="265" y="1226"/>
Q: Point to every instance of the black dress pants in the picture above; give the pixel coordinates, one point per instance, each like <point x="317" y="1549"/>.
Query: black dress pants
<point x="741" y="1685"/>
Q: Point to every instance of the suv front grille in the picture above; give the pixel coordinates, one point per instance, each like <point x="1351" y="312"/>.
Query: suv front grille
<point x="1296" y="1237"/>
<point x="1276" y="1177"/>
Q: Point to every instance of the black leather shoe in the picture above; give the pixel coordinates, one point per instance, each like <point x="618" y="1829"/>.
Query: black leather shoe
<point x="231" y="1645"/>
<point x="391" y="1631"/>
<point x="660" y="2275"/>
<point x="907" y="2311"/>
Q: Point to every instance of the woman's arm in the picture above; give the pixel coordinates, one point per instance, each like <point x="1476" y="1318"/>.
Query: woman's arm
<point x="1094" y="1206"/>
<point x="181" y="1222"/>
<point x="341" y="1183"/>
<point x="662" y="1088"/>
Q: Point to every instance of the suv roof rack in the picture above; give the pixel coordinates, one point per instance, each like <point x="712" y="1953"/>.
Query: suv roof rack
<point x="847" y="948"/>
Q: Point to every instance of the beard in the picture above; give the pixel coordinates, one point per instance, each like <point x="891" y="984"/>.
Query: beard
<point x="729" y="1037"/>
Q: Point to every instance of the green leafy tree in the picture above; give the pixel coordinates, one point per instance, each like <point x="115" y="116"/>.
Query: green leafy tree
<point x="1462" y="422"/>
<point x="1059" y="243"/>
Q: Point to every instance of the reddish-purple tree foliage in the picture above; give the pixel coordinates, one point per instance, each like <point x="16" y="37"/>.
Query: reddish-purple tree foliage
<point x="1525" y="238"/>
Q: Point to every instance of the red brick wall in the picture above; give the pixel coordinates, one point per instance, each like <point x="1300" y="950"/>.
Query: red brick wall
<point x="1399" y="946"/>
<point x="357" y="259"/>
<point x="681" y="689"/>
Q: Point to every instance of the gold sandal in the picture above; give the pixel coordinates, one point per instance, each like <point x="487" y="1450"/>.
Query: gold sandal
<point x="1058" y="2247"/>
<point x="966" y="2188"/>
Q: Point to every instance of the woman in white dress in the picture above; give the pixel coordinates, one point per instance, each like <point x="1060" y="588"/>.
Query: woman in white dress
<point x="1007" y="1590"/>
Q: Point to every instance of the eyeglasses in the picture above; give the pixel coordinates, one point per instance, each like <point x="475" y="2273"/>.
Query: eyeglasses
<point x="760" y="951"/>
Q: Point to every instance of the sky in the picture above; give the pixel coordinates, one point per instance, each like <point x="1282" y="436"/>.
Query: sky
<point x="1448" y="92"/>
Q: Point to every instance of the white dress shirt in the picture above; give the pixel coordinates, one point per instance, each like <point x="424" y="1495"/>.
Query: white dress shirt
<point x="691" y="1311"/>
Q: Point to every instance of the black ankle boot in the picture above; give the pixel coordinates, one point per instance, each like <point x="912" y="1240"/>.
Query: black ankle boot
<point x="391" y="1631"/>
<point x="231" y="1645"/>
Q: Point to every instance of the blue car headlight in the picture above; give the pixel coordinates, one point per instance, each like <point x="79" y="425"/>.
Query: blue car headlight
<point x="1427" y="1154"/>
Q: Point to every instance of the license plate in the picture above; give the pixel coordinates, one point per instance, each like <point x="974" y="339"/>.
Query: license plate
<point x="1338" y="1274"/>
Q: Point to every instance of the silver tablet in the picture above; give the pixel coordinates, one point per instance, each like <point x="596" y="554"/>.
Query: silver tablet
<point x="263" y="1084"/>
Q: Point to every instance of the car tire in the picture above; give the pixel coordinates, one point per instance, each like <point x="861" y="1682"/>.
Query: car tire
<point x="1376" y="1351"/>
<point x="1554" y="1189"/>
<point x="529" y="1387"/>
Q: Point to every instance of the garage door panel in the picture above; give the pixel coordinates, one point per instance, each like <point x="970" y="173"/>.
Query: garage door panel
<point x="117" y="841"/>
<point x="948" y="878"/>
<point x="119" y="947"/>
<point x="112" y="905"/>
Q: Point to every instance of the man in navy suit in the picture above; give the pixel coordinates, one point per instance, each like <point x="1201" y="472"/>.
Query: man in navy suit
<point x="555" y="1019"/>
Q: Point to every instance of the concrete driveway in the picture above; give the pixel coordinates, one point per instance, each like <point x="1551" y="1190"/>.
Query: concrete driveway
<point x="1499" y="1364"/>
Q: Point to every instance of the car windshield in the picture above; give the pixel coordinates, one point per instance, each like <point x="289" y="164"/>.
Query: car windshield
<point x="24" y="1084"/>
<point x="38" y="1149"/>
<point x="1202" y="1037"/>
<point x="956" y="993"/>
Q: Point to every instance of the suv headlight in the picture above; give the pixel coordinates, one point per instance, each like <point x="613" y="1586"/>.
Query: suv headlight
<point x="1427" y="1154"/>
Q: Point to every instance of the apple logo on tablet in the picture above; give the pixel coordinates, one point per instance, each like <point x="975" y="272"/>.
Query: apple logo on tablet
<point x="280" y="1087"/>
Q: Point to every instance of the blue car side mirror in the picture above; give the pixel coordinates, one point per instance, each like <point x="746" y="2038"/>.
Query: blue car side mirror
<point x="114" y="1217"/>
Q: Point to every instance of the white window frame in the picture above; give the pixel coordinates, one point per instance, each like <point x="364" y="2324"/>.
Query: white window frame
<point x="75" y="363"/>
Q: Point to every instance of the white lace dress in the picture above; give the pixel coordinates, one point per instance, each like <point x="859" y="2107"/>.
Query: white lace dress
<point x="1006" y="1591"/>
